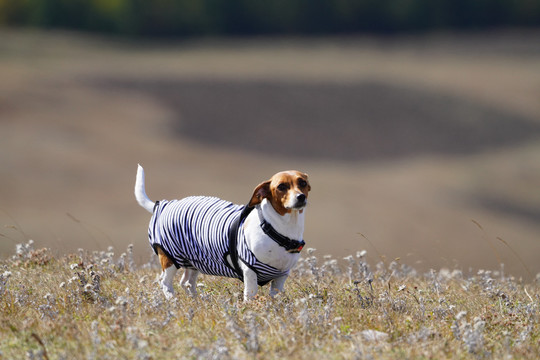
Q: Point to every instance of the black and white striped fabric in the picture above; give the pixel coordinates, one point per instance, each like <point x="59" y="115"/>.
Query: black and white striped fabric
<point x="193" y="232"/>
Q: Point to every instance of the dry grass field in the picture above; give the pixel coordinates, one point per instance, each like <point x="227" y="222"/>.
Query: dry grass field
<point x="420" y="148"/>
<point x="101" y="305"/>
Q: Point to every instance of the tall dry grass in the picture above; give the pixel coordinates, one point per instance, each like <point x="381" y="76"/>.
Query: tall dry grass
<point x="98" y="305"/>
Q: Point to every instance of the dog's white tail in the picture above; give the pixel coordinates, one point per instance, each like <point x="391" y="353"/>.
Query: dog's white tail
<point x="140" y="193"/>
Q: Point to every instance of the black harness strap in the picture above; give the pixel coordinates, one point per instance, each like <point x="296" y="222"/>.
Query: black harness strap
<point x="233" y="234"/>
<point x="292" y="246"/>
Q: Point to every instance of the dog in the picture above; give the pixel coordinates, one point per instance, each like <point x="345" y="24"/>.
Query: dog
<point x="216" y="237"/>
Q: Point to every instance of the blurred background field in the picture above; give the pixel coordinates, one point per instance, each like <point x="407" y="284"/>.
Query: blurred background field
<point x="421" y="141"/>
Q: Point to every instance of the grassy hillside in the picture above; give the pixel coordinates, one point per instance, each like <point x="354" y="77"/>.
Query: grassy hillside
<point x="100" y="305"/>
<point x="77" y="113"/>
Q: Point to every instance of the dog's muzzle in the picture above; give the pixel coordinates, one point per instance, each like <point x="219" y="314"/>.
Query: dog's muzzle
<point x="301" y="201"/>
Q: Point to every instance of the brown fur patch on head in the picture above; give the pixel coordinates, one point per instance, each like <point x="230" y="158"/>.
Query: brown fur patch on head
<point x="280" y="189"/>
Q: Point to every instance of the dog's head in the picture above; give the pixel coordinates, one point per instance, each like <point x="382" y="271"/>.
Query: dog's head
<point x="286" y="191"/>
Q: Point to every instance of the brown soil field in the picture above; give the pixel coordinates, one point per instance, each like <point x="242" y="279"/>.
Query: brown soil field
<point x="423" y="148"/>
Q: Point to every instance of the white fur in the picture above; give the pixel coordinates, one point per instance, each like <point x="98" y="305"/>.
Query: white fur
<point x="166" y="278"/>
<point x="189" y="281"/>
<point x="267" y="250"/>
<point x="292" y="201"/>
<point x="263" y="247"/>
<point x="140" y="193"/>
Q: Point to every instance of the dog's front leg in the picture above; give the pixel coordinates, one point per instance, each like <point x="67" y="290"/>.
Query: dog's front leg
<point x="277" y="285"/>
<point x="250" y="283"/>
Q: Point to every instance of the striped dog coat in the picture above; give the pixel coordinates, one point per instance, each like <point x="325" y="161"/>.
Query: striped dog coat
<point x="194" y="233"/>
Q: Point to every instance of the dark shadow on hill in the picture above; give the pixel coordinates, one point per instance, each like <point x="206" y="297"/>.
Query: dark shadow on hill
<point x="365" y="121"/>
<point x="509" y="207"/>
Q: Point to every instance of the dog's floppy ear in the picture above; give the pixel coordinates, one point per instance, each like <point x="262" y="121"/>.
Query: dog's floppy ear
<point x="262" y="191"/>
<point x="306" y="176"/>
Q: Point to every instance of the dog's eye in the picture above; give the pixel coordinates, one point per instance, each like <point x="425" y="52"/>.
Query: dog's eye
<point x="302" y="183"/>
<point x="282" y="187"/>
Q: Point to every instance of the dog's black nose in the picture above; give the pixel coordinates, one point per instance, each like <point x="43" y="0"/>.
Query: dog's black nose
<point x="301" y="198"/>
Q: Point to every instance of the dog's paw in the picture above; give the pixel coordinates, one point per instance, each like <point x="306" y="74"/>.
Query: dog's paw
<point x="169" y="293"/>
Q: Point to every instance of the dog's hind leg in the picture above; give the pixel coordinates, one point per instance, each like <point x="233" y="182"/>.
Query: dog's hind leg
<point x="189" y="281"/>
<point x="167" y="275"/>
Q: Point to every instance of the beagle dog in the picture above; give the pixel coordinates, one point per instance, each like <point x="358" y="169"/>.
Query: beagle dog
<point x="216" y="237"/>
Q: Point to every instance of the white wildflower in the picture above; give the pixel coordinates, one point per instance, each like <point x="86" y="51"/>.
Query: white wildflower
<point x="444" y="273"/>
<point x="374" y="335"/>
<point x="479" y="324"/>
<point x="121" y="301"/>
<point x="461" y="315"/>
<point x="95" y="333"/>
<point x="473" y="335"/>
<point x="300" y="301"/>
